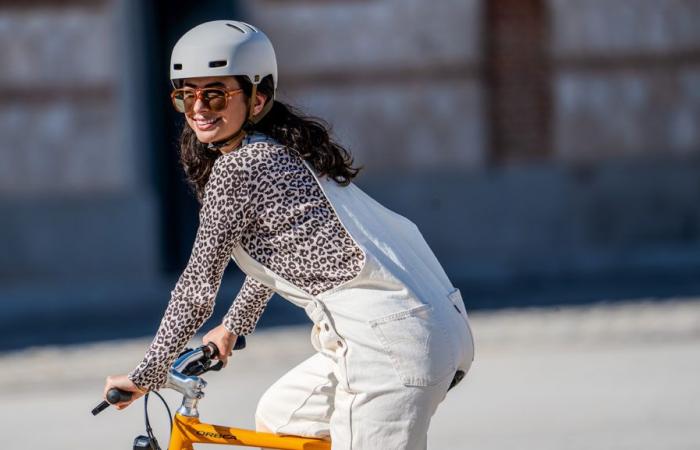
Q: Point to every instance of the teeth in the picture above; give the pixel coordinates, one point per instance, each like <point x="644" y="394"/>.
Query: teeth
<point x="205" y="122"/>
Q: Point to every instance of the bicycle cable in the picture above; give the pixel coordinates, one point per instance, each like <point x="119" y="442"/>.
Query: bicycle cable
<point x="149" y="430"/>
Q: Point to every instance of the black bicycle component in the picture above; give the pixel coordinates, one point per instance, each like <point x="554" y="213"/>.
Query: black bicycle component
<point x="210" y="350"/>
<point x="149" y="441"/>
<point x="99" y="408"/>
<point x="114" y="395"/>
<point x="167" y="408"/>
<point x="216" y="367"/>
<point x="203" y="365"/>
<point x="240" y="343"/>
<point x="145" y="442"/>
<point x="457" y="378"/>
<point x="196" y="368"/>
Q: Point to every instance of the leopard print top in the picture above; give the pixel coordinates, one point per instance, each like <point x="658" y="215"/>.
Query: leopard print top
<point x="262" y="197"/>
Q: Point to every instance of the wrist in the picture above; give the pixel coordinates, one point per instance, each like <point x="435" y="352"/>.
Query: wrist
<point x="225" y="326"/>
<point x="140" y="389"/>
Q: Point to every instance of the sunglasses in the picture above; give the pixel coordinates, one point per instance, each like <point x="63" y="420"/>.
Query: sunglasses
<point x="216" y="99"/>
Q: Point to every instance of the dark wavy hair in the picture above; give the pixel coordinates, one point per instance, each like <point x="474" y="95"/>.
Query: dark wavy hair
<point x="308" y="136"/>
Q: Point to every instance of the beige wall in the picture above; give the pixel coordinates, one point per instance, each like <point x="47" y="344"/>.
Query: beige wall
<point x="622" y="27"/>
<point x="627" y="80"/>
<point x="398" y="80"/>
<point x="403" y="84"/>
<point x="401" y="81"/>
<point x="63" y="121"/>
<point x="627" y="113"/>
<point x="74" y="199"/>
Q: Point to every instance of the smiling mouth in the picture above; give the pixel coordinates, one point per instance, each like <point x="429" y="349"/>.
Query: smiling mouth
<point x="206" y="124"/>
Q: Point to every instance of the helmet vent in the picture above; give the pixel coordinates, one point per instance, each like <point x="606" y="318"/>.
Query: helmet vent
<point x="177" y="66"/>
<point x="250" y="27"/>
<point x="220" y="63"/>
<point x="235" y="27"/>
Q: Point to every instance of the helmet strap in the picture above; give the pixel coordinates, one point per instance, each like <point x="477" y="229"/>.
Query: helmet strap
<point x="251" y="120"/>
<point x="217" y="146"/>
<point x="251" y="101"/>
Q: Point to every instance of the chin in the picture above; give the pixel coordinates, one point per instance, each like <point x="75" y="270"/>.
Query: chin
<point x="206" y="138"/>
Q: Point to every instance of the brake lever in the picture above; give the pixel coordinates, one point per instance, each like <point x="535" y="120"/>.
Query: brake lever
<point x="196" y="368"/>
<point x="216" y="367"/>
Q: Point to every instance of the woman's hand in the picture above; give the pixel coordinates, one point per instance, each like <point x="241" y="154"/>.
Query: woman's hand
<point x="125" y="384"/>
<point x="223" y="339"/>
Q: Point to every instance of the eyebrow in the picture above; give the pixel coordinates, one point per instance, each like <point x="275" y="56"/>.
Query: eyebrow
<point x="215" y="83"/>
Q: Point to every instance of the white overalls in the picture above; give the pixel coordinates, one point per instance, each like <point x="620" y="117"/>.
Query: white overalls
<point x="389" y="341"/>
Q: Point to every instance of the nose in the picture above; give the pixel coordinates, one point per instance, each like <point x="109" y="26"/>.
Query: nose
<point x="199" y="105"/>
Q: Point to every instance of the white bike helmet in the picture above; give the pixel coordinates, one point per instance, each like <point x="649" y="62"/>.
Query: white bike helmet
<point x="226" y="48"/>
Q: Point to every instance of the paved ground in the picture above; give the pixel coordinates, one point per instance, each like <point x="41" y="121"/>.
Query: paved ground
<point x="605" y="377"/>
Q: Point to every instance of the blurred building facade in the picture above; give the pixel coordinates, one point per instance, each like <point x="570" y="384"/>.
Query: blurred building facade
<point x="74" y="198"/>
<point x="528" y="139"/>
<point x="548" y="140"/>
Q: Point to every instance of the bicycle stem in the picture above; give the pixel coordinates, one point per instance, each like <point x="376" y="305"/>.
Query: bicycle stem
<point x="191" y="387"/>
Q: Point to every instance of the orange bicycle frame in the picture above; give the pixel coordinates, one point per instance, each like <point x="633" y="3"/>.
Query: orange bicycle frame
<point x="189" y="430"/>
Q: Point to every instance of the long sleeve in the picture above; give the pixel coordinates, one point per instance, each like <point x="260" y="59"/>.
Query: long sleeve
<point x="226" y="211"/>
<point x="247" y="307"/>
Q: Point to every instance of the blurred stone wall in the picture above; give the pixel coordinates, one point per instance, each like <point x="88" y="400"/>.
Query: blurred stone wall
<point x="587" y="163"/>
<point x="627" y="78"/>
<point x="74" y="200"/>
<point x="392" y="77"/>
<point x="593" y="169"/>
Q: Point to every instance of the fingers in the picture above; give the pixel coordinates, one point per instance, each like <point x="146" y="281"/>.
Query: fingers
<point x="123" y="383"/>
<point x="135" y="395"/>
<point x="223" y="357"/>
<point x="122" y="405"/>
<point x="109" y="384"/>
<point x="224" y="341"/>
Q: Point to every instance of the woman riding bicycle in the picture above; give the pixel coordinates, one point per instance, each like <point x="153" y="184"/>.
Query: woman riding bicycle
<point x="277" y="197"/>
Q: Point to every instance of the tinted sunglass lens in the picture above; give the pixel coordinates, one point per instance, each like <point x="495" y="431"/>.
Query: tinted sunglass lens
<point x="184" y="100"/>
<point x="188" y="99"/>
<point x="178" y="103"/>
<point x="216" y="99"/>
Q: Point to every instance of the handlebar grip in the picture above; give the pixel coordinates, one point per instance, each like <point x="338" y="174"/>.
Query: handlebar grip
<point x="214" y="350"/>
<point x="99" y="408"/>
<point x="240" y="343"/>
<point x="210" y="350"/>
<point x="115" y="395"/>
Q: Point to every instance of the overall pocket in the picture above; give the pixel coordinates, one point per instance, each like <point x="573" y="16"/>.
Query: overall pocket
<point x="419" y="348"/>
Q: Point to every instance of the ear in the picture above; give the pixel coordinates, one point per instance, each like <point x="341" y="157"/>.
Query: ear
<point x="259" y="103"/>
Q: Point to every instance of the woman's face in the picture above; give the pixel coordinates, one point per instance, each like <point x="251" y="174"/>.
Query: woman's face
<point x="213" y="126"/>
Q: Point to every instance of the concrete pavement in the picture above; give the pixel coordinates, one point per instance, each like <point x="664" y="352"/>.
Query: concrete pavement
<point x="621" y="376"/>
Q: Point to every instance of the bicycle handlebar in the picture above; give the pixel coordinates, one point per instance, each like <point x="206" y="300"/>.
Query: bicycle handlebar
<point x="201" y="365"/>
<point x="114" y="395"/>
